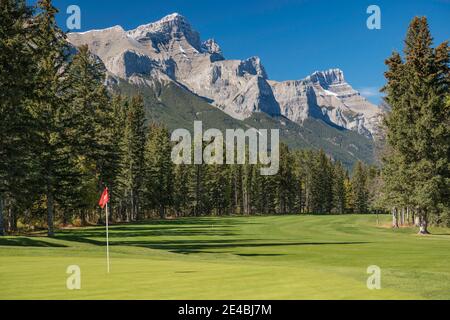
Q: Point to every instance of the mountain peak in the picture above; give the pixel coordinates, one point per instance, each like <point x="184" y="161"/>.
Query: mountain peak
<point x="166" y="24"/>
<point x="171" y="27"/>
<point x="116" y="28"/>
<point x="170" y="49"/>
<point x="327" y="77"/>
<point x="172" y="17"/>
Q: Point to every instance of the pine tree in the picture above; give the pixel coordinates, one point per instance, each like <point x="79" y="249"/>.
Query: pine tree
<point x="285" y="181"/>
<point x="321" y="184"/>
<point x="117" y="189"/>
<point x="269" y="188"/>
<point x="418" y="130"/>
<point x="299" y="181"/>
<point x="92" y="134"/>
<point x="307" y="163"/>
<point x="349" y="203"/>
<point x="158" y="177"/>
<point x="359" y="188"/>
<point x="182" y="198"/>
<point x="218" y="188"/>
<point x="16" y="86"/>
<point x="198" y="189"/>
<point x="339" y="192"/>
<point x="132" y="162"/>
<point x="57" y="166"/>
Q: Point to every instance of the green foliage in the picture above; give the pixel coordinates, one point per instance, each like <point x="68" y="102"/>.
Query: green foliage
<point x="359" y="188"/>
<point x="16" y="87"/>
<point x="338" y="187"/>
<point x="416" y="164"/>
<point x="176" y="108"/>
<point x="65" y="137"/>
<point x="158" y="172"/>
<point x="57" y="167"/>
<point x="132" y="147"/>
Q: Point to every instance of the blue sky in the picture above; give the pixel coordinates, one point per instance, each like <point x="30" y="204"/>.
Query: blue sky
<point x="293" y="37"/>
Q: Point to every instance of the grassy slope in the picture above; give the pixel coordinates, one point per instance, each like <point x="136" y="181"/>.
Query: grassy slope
<point x="290" y="257"/>
<point x="178" y="108"/>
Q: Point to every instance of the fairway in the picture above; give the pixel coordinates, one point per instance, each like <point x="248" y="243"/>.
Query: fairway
<point x="267" y="257"/>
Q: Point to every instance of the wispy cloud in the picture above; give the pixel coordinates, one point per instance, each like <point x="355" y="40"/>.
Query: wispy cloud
<point x="370" y="92"/>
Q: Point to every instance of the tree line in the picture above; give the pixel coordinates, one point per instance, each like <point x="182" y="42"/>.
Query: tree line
<point x="64" y="137"/>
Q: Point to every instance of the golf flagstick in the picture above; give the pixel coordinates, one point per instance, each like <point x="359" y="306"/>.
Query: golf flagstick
<point x="103" y="203"/>
<point x="107" y="239"/>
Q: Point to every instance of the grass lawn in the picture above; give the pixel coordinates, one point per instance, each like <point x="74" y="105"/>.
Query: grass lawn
<point x="276" y="257"/>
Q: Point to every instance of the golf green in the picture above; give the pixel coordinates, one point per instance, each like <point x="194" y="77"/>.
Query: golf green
<point x="262" y="257"/>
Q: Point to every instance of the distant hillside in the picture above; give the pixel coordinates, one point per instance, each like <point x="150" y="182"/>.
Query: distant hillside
<point x="177" y="107"/>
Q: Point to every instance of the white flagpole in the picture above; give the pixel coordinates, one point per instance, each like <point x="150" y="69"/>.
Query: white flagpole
<point x="107" y="238"/>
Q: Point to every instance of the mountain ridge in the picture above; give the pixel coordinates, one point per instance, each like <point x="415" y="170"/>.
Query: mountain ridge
<point x="184" y="79"/>
<point x="170" y="49"/>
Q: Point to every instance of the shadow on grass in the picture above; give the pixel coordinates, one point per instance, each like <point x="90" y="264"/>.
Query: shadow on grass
<point x="145" y="235"/>
<point x="200" y="246"/>
<point x="28" y="242"/>
<point x="260" y="254"/>
<point x="196" y="247"/>
<point x="185" y="227"/>
<point x="138" y="235"/>
<point x="149" y="232"/>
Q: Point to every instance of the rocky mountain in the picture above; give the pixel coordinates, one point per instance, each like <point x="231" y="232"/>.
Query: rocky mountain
<point x="326" y="95"/>
<point x="170" y="50"/>
<point x="170" y="53"/>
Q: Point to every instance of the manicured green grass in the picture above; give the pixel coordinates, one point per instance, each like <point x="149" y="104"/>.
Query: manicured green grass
<point x="282" y="257"/>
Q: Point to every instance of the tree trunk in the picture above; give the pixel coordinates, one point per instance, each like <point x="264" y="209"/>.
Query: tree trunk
<point x="394" y="218"/>
<point x="423" y="224"/>
<point x="414" y="218"/>
<point x="2" y="228"/>
<point x="12" y="218"/>
<point x="417" y="221"/>
<point x="132" y="206"/>
<point x="83" y="218"/>
<point x="162" y="213"/>
<point x="65" y="218"/>
<point x="50" y="232"/>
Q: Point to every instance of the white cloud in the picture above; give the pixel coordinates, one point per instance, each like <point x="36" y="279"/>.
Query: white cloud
<point x="370" y="92"/>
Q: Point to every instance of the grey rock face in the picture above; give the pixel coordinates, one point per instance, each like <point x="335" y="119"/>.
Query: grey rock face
<point x="171" y="50"/>
<point x="326" y="95"/>
<point x="212" y="47"/>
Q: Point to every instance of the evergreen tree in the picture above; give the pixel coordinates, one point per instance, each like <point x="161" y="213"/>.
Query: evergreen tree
<point x="181" y="189"/>
<point x="16" y="85"/>
<point x="117" y="188"/>
<point x="92" y="134"/>
<point x="321" y="184"/>
<point x="339" y="192"/>
<point x="285" y="181"/>
<point x="349" y="203"/>
<point x="418" y="130"/>
<point x="219" y="189"/>
<point x="132" y="162"/>
<point x="57" y="166"/>
<point x="359" y="188"/>
<point x="299" y="181"/>
<point x="198" y="189"/>
<point x="158" y="178"/>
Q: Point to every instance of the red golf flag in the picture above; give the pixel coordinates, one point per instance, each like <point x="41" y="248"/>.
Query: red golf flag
<point x="104" y="199"/>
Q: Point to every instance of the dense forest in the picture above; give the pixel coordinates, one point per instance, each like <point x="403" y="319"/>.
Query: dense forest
<point x="65" y="136"/>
